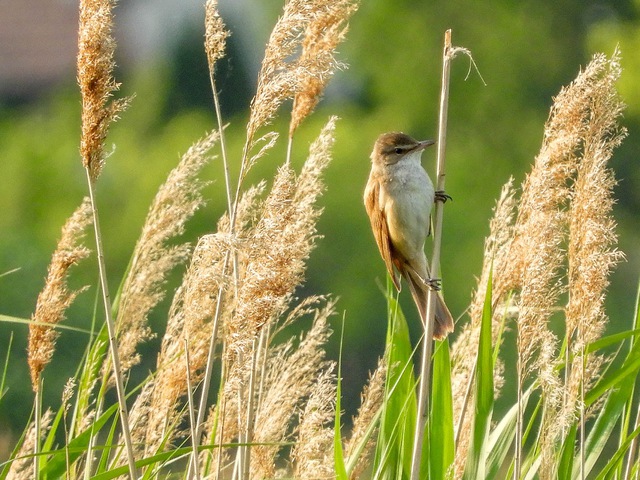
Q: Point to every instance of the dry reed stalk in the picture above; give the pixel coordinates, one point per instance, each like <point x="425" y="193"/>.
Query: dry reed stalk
<point x="95" y="65"/>
<point x="291" y="376"/>
<point x="154" y="257"/>
<point x="277" y="80"/>
<point x="540" y="234"/>
<point x="189" y="317"/>
<point x="323" y="34"/>
<point x="96" y="48"/>
<point x="272" y="263"/>
<point x="214" y="44"/>
<point x="370" y="404"/>
<point x="287" y="70"/>
<point x="55" y="297"/>
<point x="279" y="244"/>
<point x="215" y="34"/>
<point x="592" y="237"/>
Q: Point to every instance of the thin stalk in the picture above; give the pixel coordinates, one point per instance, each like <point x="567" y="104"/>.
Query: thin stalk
<point x="206" y="382"/>
<point x="192" y="419"/>
<point x="223" y="145"/>
<point x="239" y="462"/>
<point x="222" y="411"/>
<point x="425" y="370"/>
<point x="266" y="332"/>
<point x="251" y="406"/>
<point x="231" y="206"/>
<point x="111" y="329"/>
<point x="37" y="427"/>
<point x="289" y="148"/>
<point x="519" y="422"/>
<point x="465" y="403"/>
<point x="582" y="419"/>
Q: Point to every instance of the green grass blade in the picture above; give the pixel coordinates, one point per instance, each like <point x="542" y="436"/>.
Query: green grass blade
<point x="395" y="437"/>
<point x="501" y="438"/>
<point x="441" y="438"/>
<point x="619" y="385"/>
<point x="56" y="466"/>
<point x="28" y="321"/>
<point x="338" y="454"/>
<point x="103" y="464"/>
<point x="565" y="461"/>
<point x="5" y="368"/>
<point x="50" y="439"/>
<point x="477" y="455"/>
<point x="617" y="457"/>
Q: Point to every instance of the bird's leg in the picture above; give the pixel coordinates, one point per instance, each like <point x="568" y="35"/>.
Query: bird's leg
<point x="432" y="283"/>
<point x="441" y="196"/>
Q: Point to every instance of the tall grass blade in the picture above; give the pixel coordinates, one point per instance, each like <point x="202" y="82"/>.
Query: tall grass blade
<point x="618" y="384"/>
<point x="477" y="454"/>
<point x="441" y="435"/>
<point x="338" y="455"/>
<point x="397" y="424"/>
<point x="56" y="466"/>
<point x="501" y="438"/>
<point x="5" y="368"/>
<point x="565" y="461"/>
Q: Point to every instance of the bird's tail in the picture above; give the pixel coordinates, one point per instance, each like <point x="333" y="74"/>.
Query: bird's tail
<point x="444" y="321"/>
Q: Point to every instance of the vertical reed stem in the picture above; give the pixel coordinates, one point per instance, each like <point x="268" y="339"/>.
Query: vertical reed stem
<point x="36" y="429"/>
<point x="425" y="370"/>
<point x="113" y="344"/>
<point x="519" y="422"/>
<point x="192" y="418"/>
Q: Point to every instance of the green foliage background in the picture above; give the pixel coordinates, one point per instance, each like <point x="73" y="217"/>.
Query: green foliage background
<point x="525" y="52"/>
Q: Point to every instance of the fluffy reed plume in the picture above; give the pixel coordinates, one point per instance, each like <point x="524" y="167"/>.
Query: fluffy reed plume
<point x="583" y="132"/>
<point x="95" y="65"/>
<point x="56" y="297"/>
<point x="280" y="77"/>
<point x="277" y="80"/>
<point x="312" y="455"/>
<point x="326" y="30"/>
<point x="215" y="33"/>
<point x="22" y="465"/>
<point x="153" y="258"/>
<point x="291" y="377"/>
<point x="279" y="244"/>
<point x="189" y="317"/>
<point x="371" y="402"/>
<point x="540" y="234"/>
<point x="592" y="237"/>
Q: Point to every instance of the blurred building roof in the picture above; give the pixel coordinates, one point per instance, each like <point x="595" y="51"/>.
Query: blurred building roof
<point x="38" y="42"/>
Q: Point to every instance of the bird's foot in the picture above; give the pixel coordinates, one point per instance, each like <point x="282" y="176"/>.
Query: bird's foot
<point x="441" y="196"/>
<point x="434" y="284"/>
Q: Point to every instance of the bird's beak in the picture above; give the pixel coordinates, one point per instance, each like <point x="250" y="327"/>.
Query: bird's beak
<point x="424" y="144"/>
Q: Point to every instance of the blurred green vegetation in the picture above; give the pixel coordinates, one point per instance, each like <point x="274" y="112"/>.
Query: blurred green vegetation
<point x="525" y="52"/>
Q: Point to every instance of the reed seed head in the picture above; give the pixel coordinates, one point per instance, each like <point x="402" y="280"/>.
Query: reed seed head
<point x="55" y="297"/>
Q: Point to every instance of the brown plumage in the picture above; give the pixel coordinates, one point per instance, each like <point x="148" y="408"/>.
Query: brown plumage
<point x="398" y="198"/>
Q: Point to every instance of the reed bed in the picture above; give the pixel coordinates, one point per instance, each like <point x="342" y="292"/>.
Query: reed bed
<point x="230" y="398"/>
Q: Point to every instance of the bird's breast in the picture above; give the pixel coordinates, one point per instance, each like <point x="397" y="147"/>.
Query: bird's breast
<point x="408" y="196"/>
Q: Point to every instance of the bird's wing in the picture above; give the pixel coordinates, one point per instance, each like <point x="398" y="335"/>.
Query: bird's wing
<point x="380" y="228"/>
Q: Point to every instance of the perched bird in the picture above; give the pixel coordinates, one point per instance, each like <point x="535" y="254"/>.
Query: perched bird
<point x="399" y="197"/>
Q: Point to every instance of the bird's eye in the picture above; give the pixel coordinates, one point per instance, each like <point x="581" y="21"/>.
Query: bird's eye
<point x="398" y="150"/>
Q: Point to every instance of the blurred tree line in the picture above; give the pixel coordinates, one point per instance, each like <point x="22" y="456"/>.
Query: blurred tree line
<point x="525" y="52"/>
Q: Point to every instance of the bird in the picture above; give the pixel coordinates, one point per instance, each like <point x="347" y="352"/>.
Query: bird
<point x="398" y="198"/>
